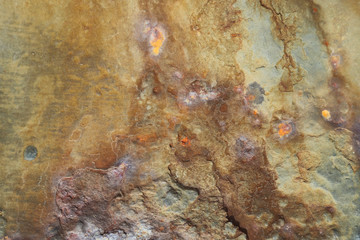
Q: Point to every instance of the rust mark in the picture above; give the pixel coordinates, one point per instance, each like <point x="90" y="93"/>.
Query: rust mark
<point x="185" y="142"/>
<point x="156" y="39"/>
<point x="146" y="138"/>
<point x="284" y="129"/>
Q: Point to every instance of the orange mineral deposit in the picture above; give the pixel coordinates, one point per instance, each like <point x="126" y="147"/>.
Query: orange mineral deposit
<point x="157" y="39"/>
<point x="284" y="129"/>
<point x="251" y="97"/>
<point x="335" y="60"/>
<point x="326" y="114"/>
<point x="185" y="142"/>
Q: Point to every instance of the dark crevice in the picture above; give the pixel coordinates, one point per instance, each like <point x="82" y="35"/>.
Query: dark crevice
<point x="236" y="223"/>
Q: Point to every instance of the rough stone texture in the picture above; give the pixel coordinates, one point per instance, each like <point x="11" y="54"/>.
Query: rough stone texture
<point x="179" y="119"/>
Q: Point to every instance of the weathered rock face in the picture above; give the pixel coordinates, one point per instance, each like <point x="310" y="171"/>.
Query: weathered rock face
<point x="179" y="119"/>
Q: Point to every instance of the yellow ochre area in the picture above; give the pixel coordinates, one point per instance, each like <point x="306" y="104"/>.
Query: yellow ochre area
<point x="326" y="114"/>
<point x="157" y="40"/>
<point x="284" y="129"/>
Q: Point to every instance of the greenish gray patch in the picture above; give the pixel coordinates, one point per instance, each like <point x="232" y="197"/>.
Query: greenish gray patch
<point x="176" y="198"/>
<point x="171" y="197"/>
<point x="2" y="227"/>
<point x="30" y="153"/>
<point x="344" y="185"/>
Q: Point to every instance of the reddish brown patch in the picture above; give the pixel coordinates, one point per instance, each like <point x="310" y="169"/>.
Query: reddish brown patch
<point x="146" y="138"/>
<point x="104" y="157"/>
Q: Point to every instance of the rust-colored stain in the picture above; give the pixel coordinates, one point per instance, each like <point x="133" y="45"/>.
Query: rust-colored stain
<point x="127" y="100"/>
<point x="284" y="129"/>
<point x="326" y="114"/>
<point x="157" y="39"/>
<point x="185" y="142"/>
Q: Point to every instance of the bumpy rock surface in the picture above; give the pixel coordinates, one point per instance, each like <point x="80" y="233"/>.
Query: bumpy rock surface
<point x="179" y="119"/>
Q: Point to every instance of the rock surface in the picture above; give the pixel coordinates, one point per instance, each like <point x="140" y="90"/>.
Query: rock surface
<point x="179" y="119"/>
